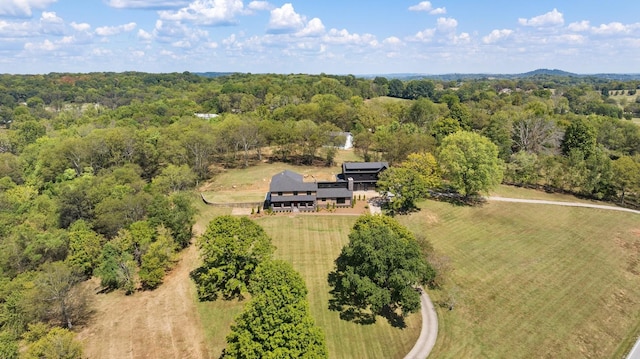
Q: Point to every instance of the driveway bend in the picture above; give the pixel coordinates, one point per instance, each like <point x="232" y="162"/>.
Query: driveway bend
<point x="429" y="331"/>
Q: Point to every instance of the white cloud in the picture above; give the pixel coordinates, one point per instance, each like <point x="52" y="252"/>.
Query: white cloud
<point x="392" y="40"/>
<point x="497" y="35"/>
<point x="206" y="12"/>
<point x="50" y="23"/>
<point x="170" y="32"/>
<point x="314" y="27"/>
<point x="614" y="28"/>
<point x="463" y="38"/>
<point x="579" y="26"/>
<point x="422" y="6"/>
<point x="144" y="36"/>
<point x="182" y="44"/>
<point x="22" y="8"/>
<point x="80" y="27"/>
<point x="343" y="37"/>
<point x="571" y="39"/>
<point x="146" y="4"/>
<point x="552" y="18"/>
<point x="427" y="7"/>
<point x="446" y="24"/>
<point x="426" y="35"/>
<point x="115" y="30"/>
<point x="285" y="20"/>
<point x="101" y="52"/>
<point x="11" y="29"/>
<point x="260" y="6"/>
<point x="46" y="45"/>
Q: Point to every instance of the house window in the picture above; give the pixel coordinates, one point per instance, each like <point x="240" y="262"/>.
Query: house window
<point x="277" y="204"/>
<point x="295" y="193"/>
<point x="308" y="193"/>
<point x="323" y="199"/>
<point x="340" y="200"/>
<point x="279" y="193"/>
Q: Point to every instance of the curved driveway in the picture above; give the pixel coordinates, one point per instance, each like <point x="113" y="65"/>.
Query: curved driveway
<point x="429" y="331"/>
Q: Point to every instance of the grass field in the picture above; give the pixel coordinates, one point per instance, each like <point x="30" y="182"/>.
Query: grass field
<point x="250" y="184"/>
<point x="526" y="193"/>
<point x="311" y="244"/>
<point x="535" y="281"/>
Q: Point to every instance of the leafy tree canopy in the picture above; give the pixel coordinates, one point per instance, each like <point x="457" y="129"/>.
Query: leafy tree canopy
<point x="470" y="163"/>
<point x="376" y="273"/>
<point x="276" y="322"/>
<point x="231" y="249"/>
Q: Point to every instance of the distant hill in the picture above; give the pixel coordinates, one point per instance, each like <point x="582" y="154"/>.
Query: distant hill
<point x="535" y="73"/>
<point x="213" y="74"/>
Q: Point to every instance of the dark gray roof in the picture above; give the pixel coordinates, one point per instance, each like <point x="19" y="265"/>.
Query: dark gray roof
<point x="359" y="166"/>
<point x="334" y="193"/>
<point x="287" y="181"/>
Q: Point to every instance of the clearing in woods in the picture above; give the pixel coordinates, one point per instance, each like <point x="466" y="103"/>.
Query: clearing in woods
<point x="163" y="323"/>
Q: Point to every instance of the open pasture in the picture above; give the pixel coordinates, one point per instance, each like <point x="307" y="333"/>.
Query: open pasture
<point x="535" y="281"/>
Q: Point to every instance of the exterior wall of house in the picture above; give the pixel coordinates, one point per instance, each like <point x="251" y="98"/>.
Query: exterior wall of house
<point x="338" y="202"/>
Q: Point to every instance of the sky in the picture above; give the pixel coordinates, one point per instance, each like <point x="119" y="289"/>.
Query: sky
<point x="315" y="36"/>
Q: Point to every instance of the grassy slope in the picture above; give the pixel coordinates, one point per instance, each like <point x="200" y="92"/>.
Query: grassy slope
<point x="250" y="184"/>
<point x="537" y="281"/>
<point x="311" y="244"/>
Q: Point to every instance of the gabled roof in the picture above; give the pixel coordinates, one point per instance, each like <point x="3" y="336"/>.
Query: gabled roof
<point x="288" y="181"/>
<point x="364" y="166"/>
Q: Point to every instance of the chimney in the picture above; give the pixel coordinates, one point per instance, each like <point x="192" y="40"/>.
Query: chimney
<point x="350" y="185"/>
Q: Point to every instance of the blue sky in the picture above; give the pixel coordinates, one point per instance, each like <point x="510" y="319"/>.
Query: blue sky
<point x="313" y="36"/>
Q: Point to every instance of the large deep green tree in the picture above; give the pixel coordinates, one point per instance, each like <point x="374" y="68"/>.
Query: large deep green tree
<point x="377" y="271"/>
<point x="277" y="322"/>
<point x="579" y="135"/>
<point x="470" y="163"/>
<point x="231" y="250"/>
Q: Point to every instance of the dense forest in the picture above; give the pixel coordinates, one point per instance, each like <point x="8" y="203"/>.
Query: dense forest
<point x="95" y="169"/>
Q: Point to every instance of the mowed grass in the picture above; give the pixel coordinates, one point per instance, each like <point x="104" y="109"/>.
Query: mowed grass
<point x="311" y="244"/>
<point x="527" y="193"/>
<point x="535" y="281"/>
<point x="251" y="184"/>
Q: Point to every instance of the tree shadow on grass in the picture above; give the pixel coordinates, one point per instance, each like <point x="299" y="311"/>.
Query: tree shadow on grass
<point x="457" y="199"/>
<point x="350" y="313"/>
<point x="365" y="317"/>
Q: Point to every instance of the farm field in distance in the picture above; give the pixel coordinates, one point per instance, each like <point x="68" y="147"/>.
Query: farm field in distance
<point x="551" y="281"/>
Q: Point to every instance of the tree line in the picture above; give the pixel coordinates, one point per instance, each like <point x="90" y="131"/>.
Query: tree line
<point x="92" y="165"/>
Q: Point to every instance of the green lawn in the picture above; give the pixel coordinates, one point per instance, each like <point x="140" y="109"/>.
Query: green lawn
<point x="311" y="244"/>
<point x="250" y="184"/>
<point x="526" y="193"/>
<point x="535" y="281"/>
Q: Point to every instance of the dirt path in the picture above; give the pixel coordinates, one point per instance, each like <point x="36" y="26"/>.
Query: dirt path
<point x="159" y="324"/>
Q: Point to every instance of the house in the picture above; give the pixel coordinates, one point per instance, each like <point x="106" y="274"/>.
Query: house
<point x="364" y="174"/>
<point x="289" y="192"/>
